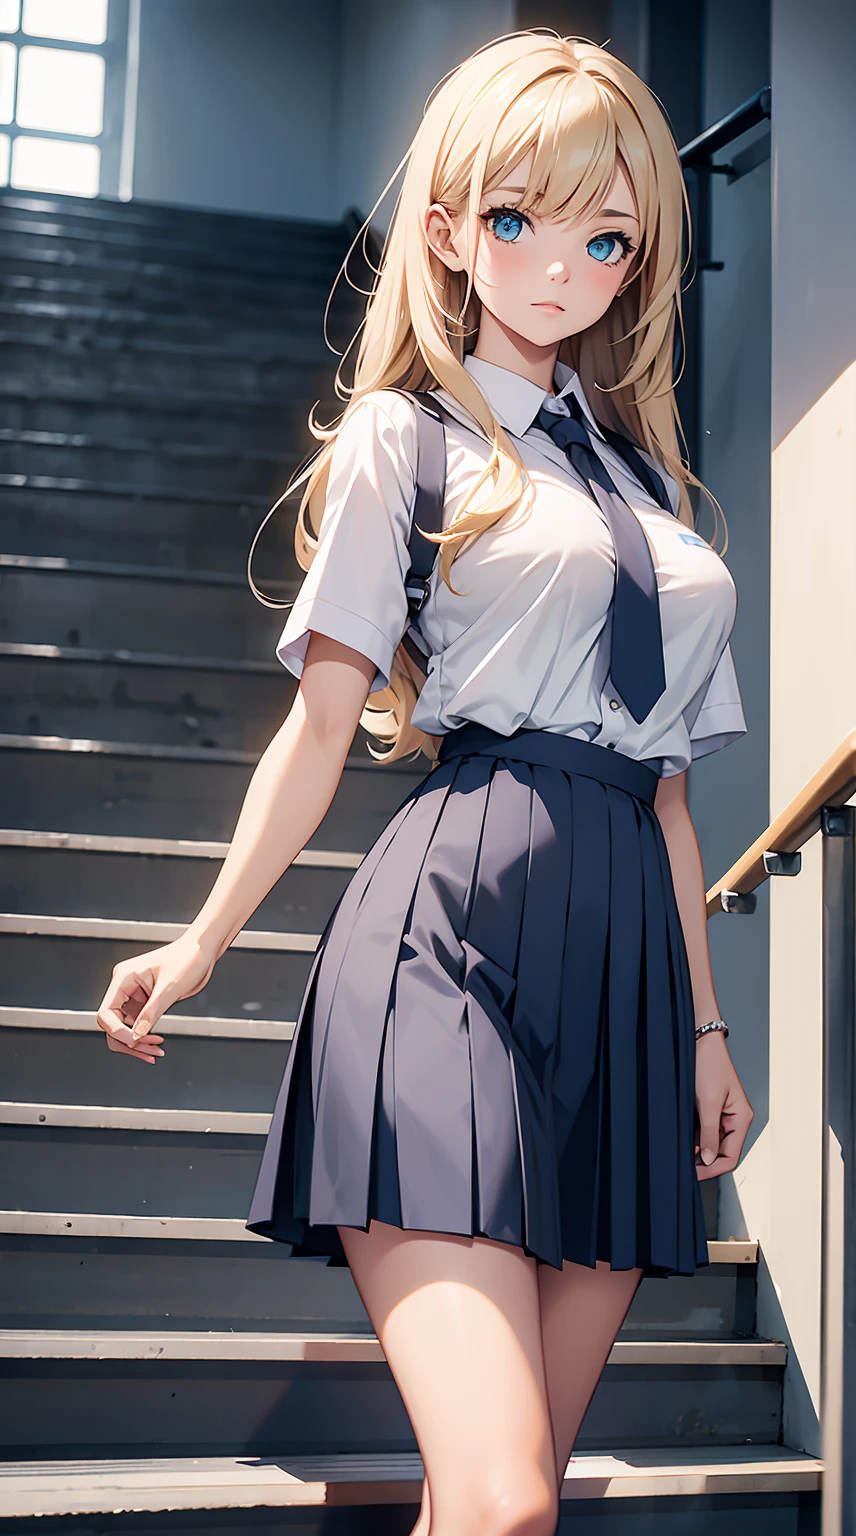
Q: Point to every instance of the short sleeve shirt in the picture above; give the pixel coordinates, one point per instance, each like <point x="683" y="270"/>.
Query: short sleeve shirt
<point x="524" y="640"/>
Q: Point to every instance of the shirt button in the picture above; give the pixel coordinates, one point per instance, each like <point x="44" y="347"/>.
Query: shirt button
<point x="614" y="704"/>
<point x="611" y="745"/>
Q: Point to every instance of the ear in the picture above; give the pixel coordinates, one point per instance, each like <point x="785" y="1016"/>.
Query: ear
<point x="440" y="234"/>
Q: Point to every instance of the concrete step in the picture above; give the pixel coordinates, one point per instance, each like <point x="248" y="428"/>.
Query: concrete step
<point x="201" y="290"/>
<point x="217" y="702"/>
<point x="95" y="359"/>
<point x="239" y="1073"/>
<point x="772" y="1490"/>
<point x="224" y="426"/>
<point x="262" y="333"/>
<point x="165" y="468"/>
<point x="66" y="963"/>
<point x="20" y="234"/>
<point x="170" y="218"/>
<point x="241" y="303"/>
<point x="101" y="1271"/>
<point x="50" y="600"/>
<point x="73" y="520"/>
<point x="141" y="1162"/>
<point x="88" y="875"/>
<point x="275" y="1393"/>
<point x="131" y="789"/>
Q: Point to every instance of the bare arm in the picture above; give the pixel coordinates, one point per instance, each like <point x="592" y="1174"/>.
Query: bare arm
<point x="723" y="1109"/>
<point x="287" y="797"/>
<point x="291" y="790"/>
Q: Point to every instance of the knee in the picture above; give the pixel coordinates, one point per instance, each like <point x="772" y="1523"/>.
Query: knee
<point x="519" y="1505"/>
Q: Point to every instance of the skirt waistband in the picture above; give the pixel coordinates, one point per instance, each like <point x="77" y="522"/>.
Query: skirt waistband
<point x="552" y="750"/>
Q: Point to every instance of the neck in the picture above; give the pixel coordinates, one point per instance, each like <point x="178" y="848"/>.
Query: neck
<point x="497" y="343"/>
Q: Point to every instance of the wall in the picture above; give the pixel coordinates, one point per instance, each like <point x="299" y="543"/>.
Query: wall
<point x="813" y="587"/>
<point x="729" y="793"/>
<point x="238" y="106"/>
<point x="394" y="55"/>
<point x="776" y="1193"/>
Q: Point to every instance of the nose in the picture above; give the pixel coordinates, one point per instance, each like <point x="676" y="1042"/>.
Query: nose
<point x="558" y="270"/>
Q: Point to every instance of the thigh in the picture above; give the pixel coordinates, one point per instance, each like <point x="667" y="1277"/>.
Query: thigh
<point x="581" y="1310"/>
<point x="458" y="1319"/>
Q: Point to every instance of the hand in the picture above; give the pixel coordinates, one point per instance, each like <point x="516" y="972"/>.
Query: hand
<point x="142" y="989"/>
<point x="724" y="1112"/>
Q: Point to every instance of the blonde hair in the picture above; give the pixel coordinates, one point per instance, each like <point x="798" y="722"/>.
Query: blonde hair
<point x="581" y="112"/>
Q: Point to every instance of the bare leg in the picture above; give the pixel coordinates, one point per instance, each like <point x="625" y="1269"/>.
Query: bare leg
<point x="459" y="1322"/>
<point x="582" y="1310"/>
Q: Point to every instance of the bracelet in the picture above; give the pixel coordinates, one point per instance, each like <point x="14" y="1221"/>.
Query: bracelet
<point x="705" y="1029"/>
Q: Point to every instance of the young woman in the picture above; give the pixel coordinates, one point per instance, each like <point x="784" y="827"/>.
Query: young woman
<point x="488" y="1108"/>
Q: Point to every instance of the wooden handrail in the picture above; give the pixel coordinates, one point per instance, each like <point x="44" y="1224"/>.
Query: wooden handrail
<point x="833" y="784"/>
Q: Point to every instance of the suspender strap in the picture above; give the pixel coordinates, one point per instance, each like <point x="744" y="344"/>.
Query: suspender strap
<point x="430" y="493"/>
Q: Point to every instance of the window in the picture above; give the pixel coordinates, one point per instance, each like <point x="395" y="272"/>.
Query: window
<point x="61" y="81"/>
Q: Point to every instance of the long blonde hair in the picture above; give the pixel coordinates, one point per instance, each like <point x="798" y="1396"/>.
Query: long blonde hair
<point x="581" y="112"/>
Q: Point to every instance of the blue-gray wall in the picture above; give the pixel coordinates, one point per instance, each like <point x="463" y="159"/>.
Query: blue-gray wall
<point x="729" y="792"/>
<point x="238" y="106"/>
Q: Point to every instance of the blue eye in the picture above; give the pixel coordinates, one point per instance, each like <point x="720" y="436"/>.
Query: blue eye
<point x="610" y="248"/>
<point x="505" y="223"/>
<point x="508" y="226"/>
<point x="601" y="248"/>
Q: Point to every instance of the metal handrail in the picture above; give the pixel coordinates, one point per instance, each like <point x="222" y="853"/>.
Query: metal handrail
<point x="831" y="786"/>
<point x="744" y="117"/>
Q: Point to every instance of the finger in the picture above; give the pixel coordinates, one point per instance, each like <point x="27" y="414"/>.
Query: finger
<point x="114" y="1026"/>
<point x="125" y="997"/>
<point x="160" y="1000"/>
<point x="127" y="1050"/>
<point x="709" y="1132"/>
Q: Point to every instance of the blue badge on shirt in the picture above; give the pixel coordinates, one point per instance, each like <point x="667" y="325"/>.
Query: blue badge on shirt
<point x="693" y="538"/>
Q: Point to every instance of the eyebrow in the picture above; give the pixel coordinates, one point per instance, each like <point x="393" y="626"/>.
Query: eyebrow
<point x="614" y="213"/>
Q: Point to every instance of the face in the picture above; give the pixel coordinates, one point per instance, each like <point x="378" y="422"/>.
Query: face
<point x="543" y="279"/>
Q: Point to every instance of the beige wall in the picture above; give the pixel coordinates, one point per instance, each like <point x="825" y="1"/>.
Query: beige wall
<point x="776" y="1193"/>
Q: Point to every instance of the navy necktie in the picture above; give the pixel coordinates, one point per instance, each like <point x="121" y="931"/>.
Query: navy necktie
<point x="637" y="667"/>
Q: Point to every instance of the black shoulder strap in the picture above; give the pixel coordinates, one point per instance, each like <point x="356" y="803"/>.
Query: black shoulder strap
<point x="430" y="494"/>
<point x="427" y="506"/>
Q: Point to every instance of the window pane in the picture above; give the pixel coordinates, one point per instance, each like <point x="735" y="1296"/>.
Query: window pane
<point x="7" y="81"/>
<point x="76" y="21"/>
<point x="5" y="141"/>
<point x="9" y="13"/>
<point x="61" y="89"/>
<point x="56" y="165"/>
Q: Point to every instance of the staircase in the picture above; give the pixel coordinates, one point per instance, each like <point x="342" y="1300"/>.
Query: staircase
<point x="158" y="365"/>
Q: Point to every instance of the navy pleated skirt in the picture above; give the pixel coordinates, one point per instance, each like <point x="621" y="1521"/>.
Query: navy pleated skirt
<point x="497" y="1035"/>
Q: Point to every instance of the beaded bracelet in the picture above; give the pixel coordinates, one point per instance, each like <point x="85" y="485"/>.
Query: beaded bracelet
<point x="704" y="1029"/>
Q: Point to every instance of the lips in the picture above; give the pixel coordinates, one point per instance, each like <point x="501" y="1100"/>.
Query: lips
<point x="549" y="304"/>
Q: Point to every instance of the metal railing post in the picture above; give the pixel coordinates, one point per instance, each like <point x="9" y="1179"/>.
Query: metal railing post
<point x="838" y="1196"/>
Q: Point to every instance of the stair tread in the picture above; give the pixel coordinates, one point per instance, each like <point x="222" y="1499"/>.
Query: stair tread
<point x="229" y="1229"/>
<point x="14" y="650"/>
<point x="116" y="488"/>
<point x="35" y="438"/>
<point x="248" y="1028"/>
<point x="135" y="931"/>
<point x="14" y="741"/>
<point x="168" y="847"/>
<point x="119" y="1117"/>
<point x="61" y="565"/>
<point x="319" y="1345"/>
<point x="92" y="1487"/>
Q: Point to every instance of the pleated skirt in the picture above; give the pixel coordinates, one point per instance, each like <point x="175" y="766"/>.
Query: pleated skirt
<point x="496" y="1036"/>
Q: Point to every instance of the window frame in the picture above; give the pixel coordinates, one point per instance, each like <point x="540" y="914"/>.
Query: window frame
<point x="114" y="51"/>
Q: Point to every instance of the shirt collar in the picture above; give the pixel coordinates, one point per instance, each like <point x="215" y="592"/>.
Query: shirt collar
<point x="515" y="401"/>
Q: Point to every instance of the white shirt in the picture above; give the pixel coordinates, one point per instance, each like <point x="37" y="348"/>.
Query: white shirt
<point x="527" y="643"/>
